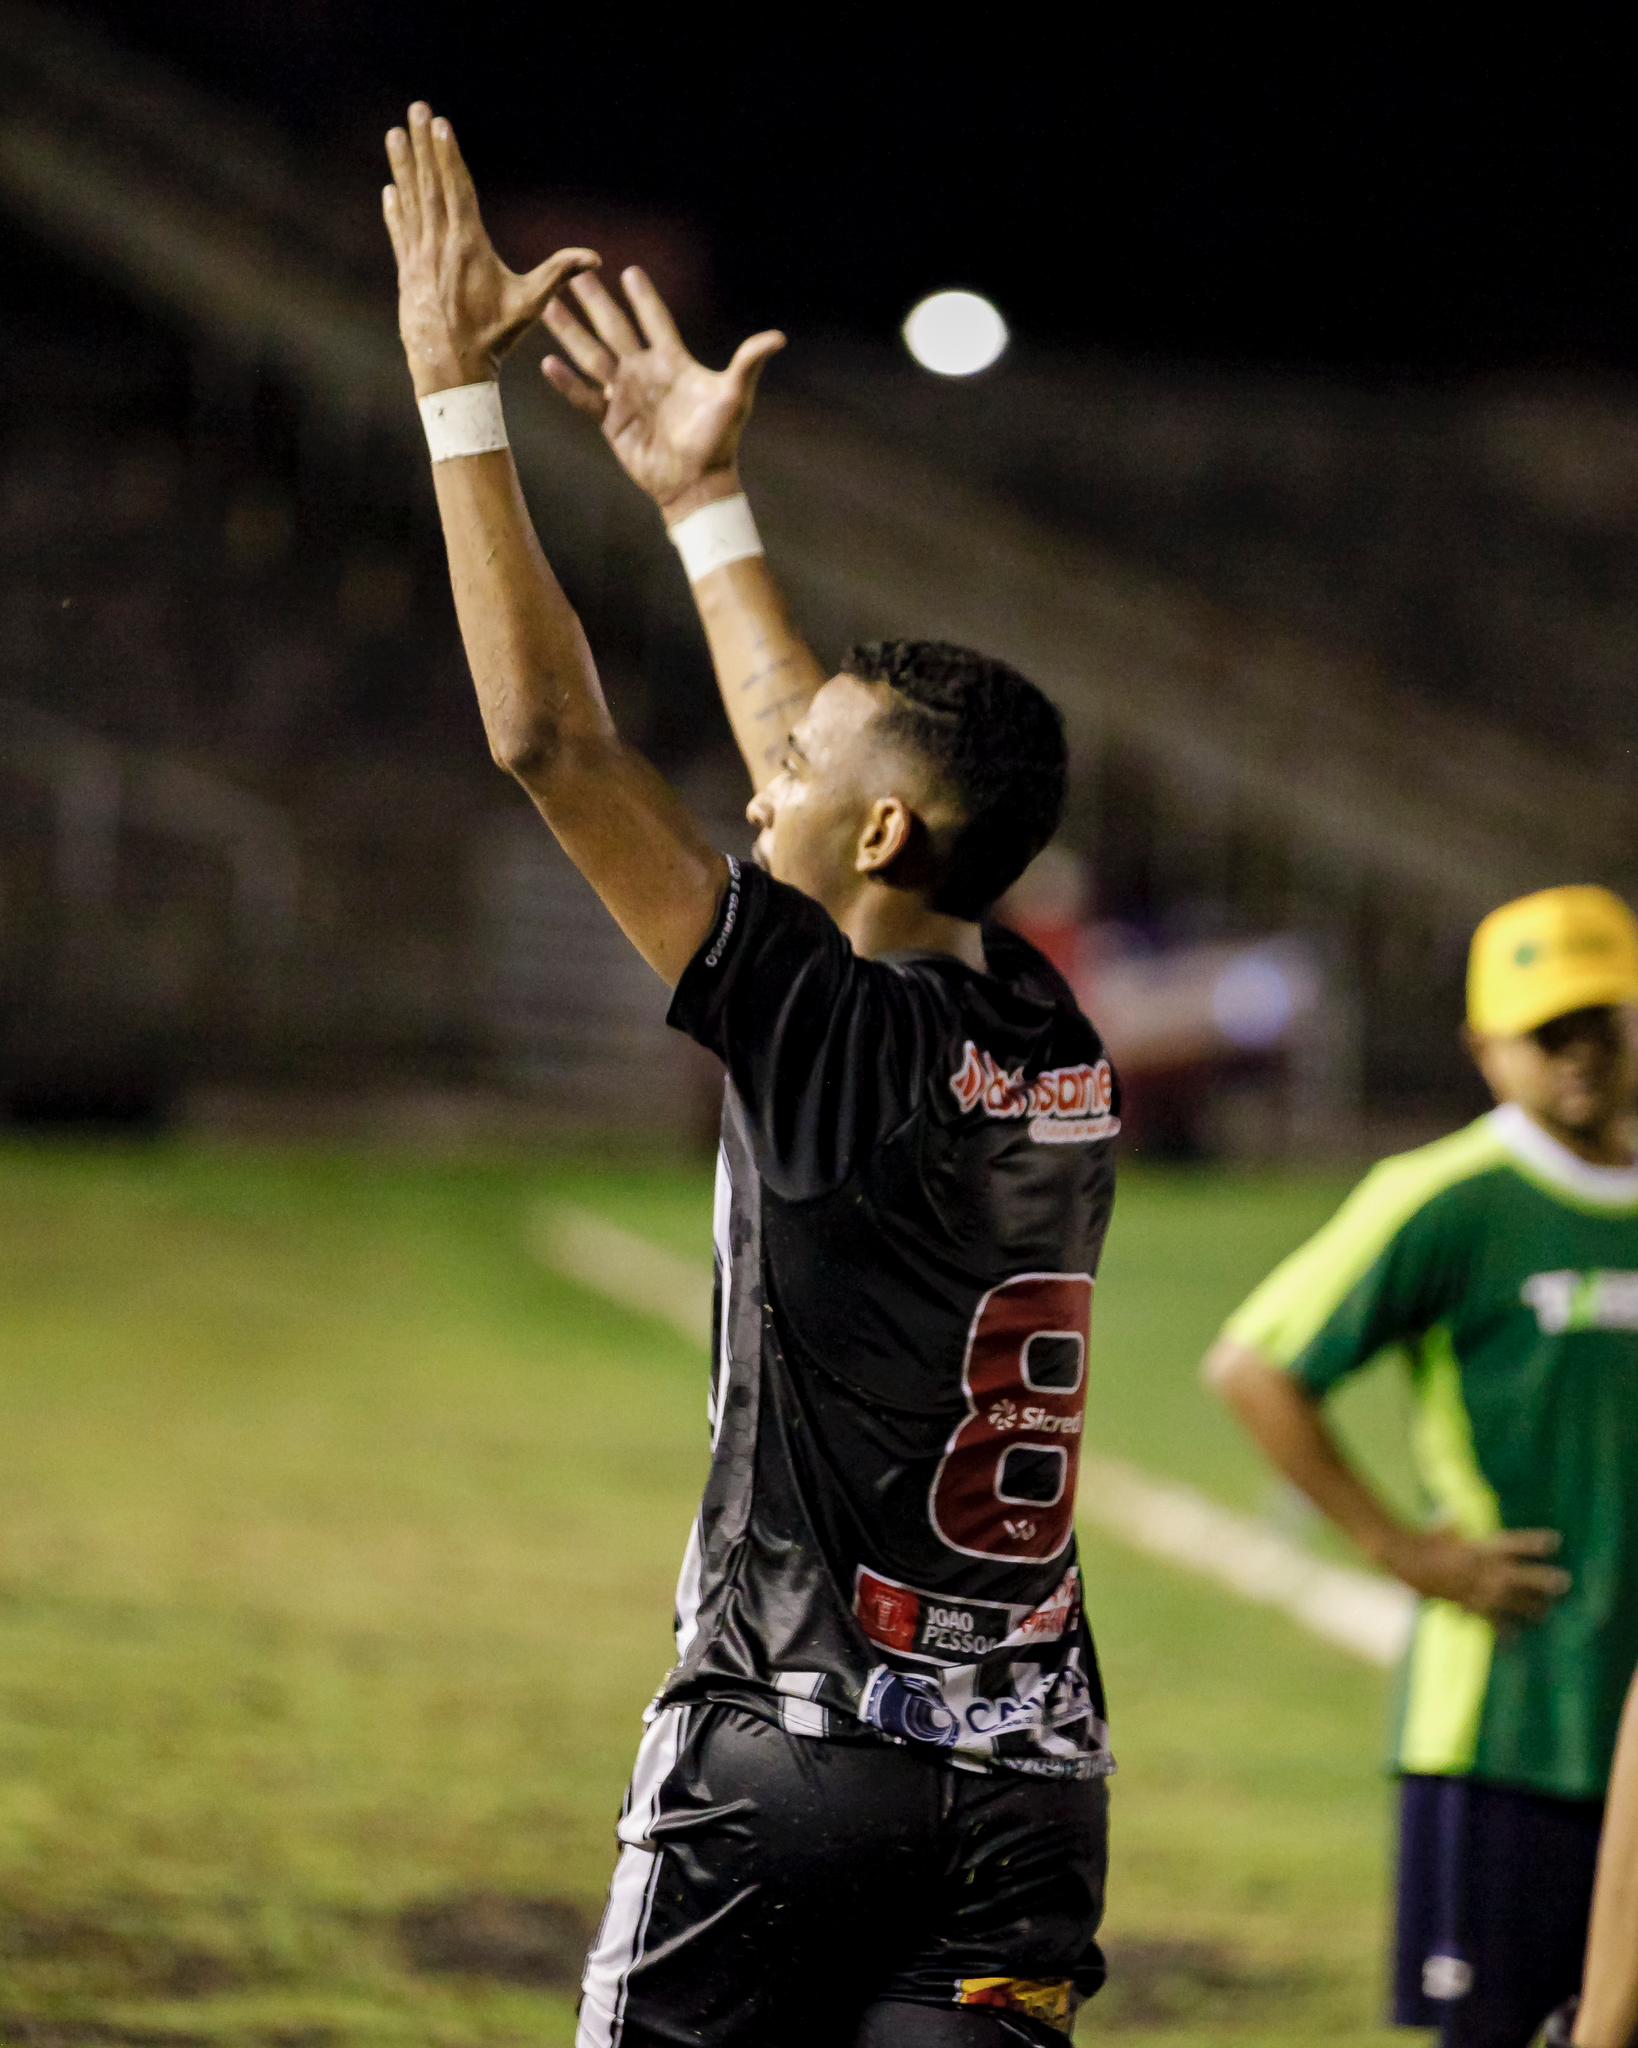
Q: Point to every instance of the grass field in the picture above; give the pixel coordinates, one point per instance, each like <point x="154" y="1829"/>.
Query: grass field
<point x="337" y="1544"/>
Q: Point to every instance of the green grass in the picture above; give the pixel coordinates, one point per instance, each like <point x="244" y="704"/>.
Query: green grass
<point x="337" y="1544"/>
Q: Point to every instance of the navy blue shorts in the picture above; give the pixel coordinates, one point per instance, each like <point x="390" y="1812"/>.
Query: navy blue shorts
<point x="1495" y="1888"/>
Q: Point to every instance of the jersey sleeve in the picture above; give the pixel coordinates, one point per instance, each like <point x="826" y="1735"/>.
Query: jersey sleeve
<point x="827" y="1052"/>
<point x="1376" y="1275"/>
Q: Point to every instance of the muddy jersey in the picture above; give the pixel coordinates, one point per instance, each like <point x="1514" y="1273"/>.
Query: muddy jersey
<point x="913" y="1188"/>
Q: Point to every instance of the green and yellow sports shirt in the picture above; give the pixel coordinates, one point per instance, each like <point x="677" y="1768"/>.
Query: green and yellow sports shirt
<point x="1504" y="1271"/>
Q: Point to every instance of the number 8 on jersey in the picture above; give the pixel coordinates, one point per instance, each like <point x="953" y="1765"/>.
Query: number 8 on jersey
<point x="1005" y="1487"/>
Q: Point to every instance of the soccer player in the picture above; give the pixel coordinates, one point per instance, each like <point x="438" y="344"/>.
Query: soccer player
<point x="870" y="1804"/>
<point x="1502" y="1265"/>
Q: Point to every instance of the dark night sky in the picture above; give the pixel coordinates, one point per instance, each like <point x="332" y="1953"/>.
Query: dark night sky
<point x="1381" y="206"/>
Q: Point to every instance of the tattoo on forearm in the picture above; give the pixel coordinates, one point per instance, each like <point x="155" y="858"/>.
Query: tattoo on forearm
<point x="780" y="707"/>
<point x="765" y="673"/>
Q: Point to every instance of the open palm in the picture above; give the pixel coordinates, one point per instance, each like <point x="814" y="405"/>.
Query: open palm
<point x="670" y="420"/>
<point x="459" y="307"/>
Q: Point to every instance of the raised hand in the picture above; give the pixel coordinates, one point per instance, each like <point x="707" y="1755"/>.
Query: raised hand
<point x="674" y="425"/>
<point x="459" y="307"/>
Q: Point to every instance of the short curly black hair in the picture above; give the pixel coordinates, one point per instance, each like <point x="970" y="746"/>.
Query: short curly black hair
<point x="997" y="743"/>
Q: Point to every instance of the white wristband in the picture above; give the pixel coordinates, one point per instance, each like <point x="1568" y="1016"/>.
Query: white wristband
<point x="715" y="536"/>
<point x="464" y="420"/>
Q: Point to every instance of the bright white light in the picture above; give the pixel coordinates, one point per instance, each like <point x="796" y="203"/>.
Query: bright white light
<point x="1254" y="1001"/>
<point x="955" y="334"/>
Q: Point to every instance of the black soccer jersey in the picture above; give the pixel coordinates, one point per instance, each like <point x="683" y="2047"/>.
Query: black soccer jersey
<point x="913" y="1188"/>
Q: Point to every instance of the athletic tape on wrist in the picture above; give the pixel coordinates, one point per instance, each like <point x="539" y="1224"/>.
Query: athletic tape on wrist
<point x="464" y="420"/>
<point x="715" y="536"/>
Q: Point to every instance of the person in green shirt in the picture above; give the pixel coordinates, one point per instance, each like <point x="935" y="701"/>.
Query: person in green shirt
<point x="1500" y="1266"/>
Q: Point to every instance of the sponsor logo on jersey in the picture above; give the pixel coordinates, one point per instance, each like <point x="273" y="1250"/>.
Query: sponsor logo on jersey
<point x="1098" y="1765"/>
<point x="935" y="1626"/>
<point x="1051" y="2000"/>
<point x="1056" y="1615"/>
<point x="943" y="1628"/>
<point x="1054" y="1700"/>
<point x="1065" y="1106"/>
<point x="944" y="1713"/>
<point x="898" y="1703"/>
<point x="1039" y="1421"/>
<point x="1583" y="1301"/>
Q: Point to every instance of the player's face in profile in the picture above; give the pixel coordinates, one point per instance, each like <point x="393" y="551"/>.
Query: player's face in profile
<point x="810" y="815"/>
<point x="1578" y="1072"/>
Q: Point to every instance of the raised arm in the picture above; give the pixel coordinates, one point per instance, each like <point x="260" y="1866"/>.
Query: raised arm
<point x="459" y="310"/>
<point x="675" y="427"/>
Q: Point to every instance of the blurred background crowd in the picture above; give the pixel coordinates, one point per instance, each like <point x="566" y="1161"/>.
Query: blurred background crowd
<point x="1337" y="599"/>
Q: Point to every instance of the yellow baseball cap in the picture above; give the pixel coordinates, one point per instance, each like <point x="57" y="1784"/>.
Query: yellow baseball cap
<point x="1548" y="954"/>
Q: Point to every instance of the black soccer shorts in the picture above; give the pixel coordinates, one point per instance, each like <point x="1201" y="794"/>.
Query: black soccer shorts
<point x="779" y="1891"/>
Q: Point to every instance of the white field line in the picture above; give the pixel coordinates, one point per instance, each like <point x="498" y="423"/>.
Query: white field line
<point x="626" y="1267"/>
<point x="1356" y="1610"/>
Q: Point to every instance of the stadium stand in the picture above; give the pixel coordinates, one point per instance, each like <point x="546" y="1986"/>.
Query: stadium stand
<point x="233" y="506"/>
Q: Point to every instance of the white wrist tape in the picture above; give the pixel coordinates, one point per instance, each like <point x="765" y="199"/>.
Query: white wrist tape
<point x="715" y="536"/>
<point x="464" y="420"/>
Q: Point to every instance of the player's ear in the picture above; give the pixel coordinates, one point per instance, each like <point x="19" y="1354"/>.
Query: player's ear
<point x="889" y="828"/>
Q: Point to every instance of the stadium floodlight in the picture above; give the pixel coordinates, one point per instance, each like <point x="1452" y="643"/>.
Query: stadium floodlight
<point x="955" y="334"/>
<point x="1260" y="994"/>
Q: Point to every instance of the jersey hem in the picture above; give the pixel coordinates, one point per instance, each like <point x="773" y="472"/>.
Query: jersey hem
<point x="1509" y="1781"/>
<point x="765" y="1704"/>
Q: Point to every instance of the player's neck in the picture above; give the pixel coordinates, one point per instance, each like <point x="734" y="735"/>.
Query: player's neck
<point x="892" y="921"/>
<point x="1609" y="1144"/>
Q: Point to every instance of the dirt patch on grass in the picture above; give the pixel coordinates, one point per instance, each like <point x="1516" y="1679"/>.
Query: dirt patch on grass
<point x="19" y="2031"/>
<point x="121" y="1959"/>
<point x="539" y="1942"/>
<point x="1164" y="1980"/>
<point x="27" y="2033"/>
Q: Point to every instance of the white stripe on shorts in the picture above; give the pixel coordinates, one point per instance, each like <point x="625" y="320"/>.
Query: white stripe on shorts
<point x="799" y="1712"/>
<point x="619" y="1943"/>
